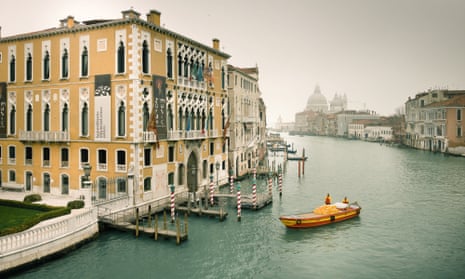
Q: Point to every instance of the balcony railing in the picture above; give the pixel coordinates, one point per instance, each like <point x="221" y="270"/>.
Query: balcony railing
<point x="43" y="136"/>
<point x="149" y="137"/>
<point x="187" y="82"/>
<point x="194" y="134"/>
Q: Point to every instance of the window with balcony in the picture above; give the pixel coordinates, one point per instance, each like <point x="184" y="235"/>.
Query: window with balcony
<point x="46" y="157"/>
<point x="11" y="154"/>
<point x="102" y="159"/>
<point x="29" y="67"/>
<point x="46" y="70"/>
<point x="84" y="62"/>
<point x="84" y="156"/>
<point x="64" y="157"/>
<point x="147" y="184"/>
<point x="121" y="160"/>
<point x="28" y="155"/>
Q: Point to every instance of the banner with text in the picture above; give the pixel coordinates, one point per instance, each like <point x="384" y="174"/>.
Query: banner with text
<point x="158" y="121"/>
<point x="102" y="108"/>
<point x="3" y="110"/>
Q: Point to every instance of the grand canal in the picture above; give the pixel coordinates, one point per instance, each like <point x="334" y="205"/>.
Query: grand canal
<point x="412" y="225"/>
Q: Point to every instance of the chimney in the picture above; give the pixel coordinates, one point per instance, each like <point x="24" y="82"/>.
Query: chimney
<point x="216" y="44"/>
<point x="154" y="17"/>
<point x="70" y="22"/>
<point x="130" y="14"/>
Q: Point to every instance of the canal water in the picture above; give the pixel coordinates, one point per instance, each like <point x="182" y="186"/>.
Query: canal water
<point x="412" y="225"/>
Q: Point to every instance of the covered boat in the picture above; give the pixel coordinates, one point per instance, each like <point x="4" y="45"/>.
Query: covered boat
<point x="323" y="215"/>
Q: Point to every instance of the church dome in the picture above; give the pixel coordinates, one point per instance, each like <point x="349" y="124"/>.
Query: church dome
<point x="317" y="102"/>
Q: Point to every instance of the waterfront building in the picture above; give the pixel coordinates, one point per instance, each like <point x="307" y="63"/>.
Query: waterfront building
<point x="345" y="118"/>
<point x="434" y="121"/>
<point x="144" y="106"/>
<point x="247" y="120"/>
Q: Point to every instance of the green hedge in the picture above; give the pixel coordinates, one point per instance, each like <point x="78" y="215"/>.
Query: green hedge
<point x="76" y="204"/>
<point x="49" y="212"/>
<point x="32" y="198"/>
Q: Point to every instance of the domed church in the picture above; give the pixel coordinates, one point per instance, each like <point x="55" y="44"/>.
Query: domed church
<point x="317" y="102"/>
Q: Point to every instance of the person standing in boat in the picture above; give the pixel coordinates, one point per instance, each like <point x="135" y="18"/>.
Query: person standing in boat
<point x="328" y="199"/>
<point x="345" y="200"/>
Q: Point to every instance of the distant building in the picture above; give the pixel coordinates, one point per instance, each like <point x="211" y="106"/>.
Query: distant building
<point x="434" y="121"/>
<point x="345" y="118"/>
<point x="338" y="103"/>
<point x="247" y="120"/>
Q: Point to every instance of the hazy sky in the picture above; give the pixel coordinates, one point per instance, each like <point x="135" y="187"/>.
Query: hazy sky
<point x="377" y="52"/>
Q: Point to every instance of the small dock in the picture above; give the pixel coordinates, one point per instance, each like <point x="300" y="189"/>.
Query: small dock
<point x="262" y="200"/>
<point x="220" y="213"/>
<point x="151" y="228"/>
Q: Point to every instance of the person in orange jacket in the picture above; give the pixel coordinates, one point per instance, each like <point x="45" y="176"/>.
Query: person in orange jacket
<point x="328" y="199"/>
<point x="345" y="200"/>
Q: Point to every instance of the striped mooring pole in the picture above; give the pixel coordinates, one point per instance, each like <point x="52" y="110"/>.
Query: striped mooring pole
<point x="254" y="193"/>
<point x="280" y="181"/>
<point x="211" y="190"/>
<point x="172" y="202"/>
<point x="231" y="181"/>
<point x="254" y="173"/>
<point x="238" y="187"/>
<point x="270" y="184"/>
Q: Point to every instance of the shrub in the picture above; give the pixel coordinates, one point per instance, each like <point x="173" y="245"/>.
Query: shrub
<point x="32" y="198"/>
<point x="76" y="204"/>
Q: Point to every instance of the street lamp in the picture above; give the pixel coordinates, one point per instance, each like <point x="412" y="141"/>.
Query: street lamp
<point x="87" y="169"/>
<point x="217" y="166"/>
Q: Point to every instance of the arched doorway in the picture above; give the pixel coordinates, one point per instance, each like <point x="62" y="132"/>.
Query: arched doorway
<point x="192" y="170"/>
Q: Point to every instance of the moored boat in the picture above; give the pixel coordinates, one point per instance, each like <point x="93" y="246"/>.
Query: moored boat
<point x="323" y="215"/>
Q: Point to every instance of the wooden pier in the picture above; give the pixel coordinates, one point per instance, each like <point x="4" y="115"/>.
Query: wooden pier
<point x="199" y="211"/>
<point x="152" y="228"/>
<point x="262" y="200"/>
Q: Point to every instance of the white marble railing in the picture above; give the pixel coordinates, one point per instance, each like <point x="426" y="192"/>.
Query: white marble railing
<point x="47" y="233"/>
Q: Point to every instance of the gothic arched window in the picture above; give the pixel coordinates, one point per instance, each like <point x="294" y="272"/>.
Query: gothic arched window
<point x="121" y="58"/>
<point x="145" y="57"/>
<point x="85" y="62"/>
<point x="46" y="65"/>
<point x="85" y="120"/>
<point x="29" y="67"/>
<point x="121" y="120"/>
<point x="64" y="64"/>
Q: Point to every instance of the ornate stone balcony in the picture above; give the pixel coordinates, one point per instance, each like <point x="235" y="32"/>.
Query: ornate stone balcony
<point x="44" y="136"/>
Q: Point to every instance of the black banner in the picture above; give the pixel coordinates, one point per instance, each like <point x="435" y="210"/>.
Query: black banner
<point x="159" y="107"/>
<point x="3" y="110"/>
